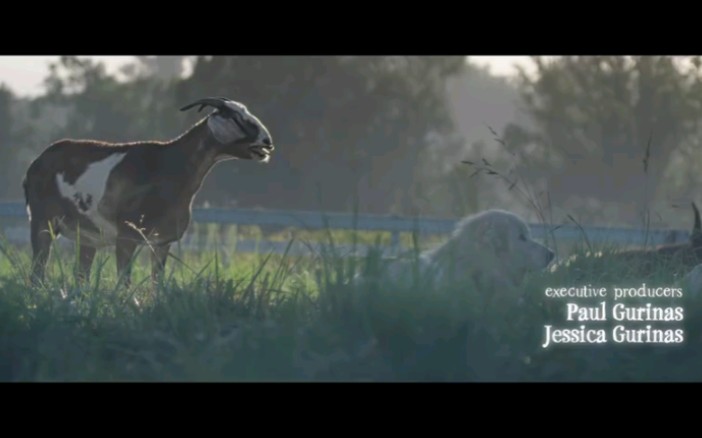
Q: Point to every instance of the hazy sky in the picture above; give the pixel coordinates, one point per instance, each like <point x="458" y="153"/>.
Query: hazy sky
<point x="24" y="74"/>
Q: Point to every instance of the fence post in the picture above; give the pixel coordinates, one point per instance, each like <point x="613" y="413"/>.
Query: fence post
<point x="395" y="242"/>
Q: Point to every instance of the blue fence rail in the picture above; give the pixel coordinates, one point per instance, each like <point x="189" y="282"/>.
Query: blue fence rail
<point x="310" y="220"/>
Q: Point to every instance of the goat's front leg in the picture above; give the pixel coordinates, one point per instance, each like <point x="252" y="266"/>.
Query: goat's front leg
<point x="125" y="252"/>
<point x="158" y="261"/>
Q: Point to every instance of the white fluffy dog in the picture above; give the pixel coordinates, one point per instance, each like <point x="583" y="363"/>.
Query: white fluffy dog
<point x="493" y="248"/>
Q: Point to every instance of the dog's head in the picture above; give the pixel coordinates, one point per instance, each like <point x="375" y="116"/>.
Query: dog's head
<point x="504" y="239"/>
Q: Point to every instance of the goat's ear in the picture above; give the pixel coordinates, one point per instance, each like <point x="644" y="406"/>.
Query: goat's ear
<point x="225" y="130"/>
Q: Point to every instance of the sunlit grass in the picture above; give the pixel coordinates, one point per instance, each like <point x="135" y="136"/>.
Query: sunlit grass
<point x="263" y="317"/>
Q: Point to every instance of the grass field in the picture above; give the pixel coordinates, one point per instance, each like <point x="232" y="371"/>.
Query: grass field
<point x="284" y="318"/>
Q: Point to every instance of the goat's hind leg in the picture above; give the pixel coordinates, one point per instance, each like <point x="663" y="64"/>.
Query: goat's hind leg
<point x="158" y="262"/>
<point x="125" y="250"/>
<point x="41" y="247"/>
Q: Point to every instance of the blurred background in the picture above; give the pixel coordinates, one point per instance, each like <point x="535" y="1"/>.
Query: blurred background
<point x="604" y="139"/>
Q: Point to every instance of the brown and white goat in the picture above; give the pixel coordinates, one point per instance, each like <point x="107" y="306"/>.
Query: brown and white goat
<point x="119" y="194"/>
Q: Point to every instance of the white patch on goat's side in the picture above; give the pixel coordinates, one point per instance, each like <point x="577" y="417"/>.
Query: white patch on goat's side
<point x="91" y="185"/>
<point x="29" y="213"/>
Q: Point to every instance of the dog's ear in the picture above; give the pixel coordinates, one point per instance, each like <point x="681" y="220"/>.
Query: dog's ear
<point x="482" y="232"/>
<point x="500" y="240"/>
<point x="488" y="233"/>
<point x="482" y="227"/>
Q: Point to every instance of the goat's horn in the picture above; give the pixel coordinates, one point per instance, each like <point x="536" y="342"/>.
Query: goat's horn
<point x="208" y="101"/>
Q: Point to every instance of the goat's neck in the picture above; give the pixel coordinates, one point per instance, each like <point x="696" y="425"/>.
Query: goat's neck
<point x="195" y="153"/>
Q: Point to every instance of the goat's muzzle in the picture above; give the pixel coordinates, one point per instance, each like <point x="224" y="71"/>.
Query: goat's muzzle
<point x="261" y="151"/>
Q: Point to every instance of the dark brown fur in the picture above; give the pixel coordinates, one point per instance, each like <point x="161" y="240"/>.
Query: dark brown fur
<point x="152" y="188"/>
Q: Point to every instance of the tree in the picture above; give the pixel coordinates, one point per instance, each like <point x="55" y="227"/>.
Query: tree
<point x="101" y="107"/>
<point x="604" y="127"/>
<point x="7" y="148"/>
<point x="343" y="126"/>
<point x="6" y="98"/>
<point x="163" y="67"/>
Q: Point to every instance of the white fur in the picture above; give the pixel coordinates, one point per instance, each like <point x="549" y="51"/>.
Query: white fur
<point x="493" y="248"/>
<point x="92" y="182"/>
<point x="29" y="213"/>
<point x="226" y="130"/>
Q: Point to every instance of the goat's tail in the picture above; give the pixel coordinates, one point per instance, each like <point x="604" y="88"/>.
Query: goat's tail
<point x="26" y="191"/>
